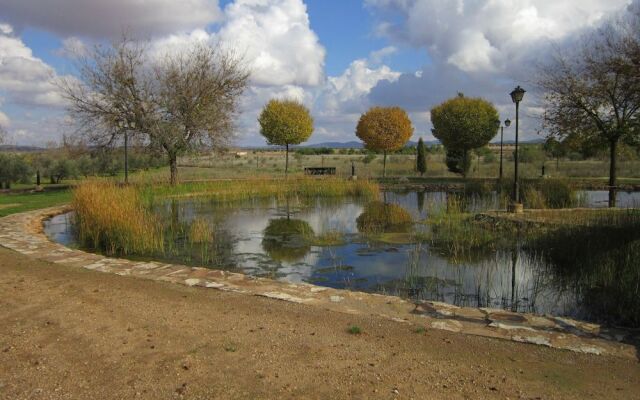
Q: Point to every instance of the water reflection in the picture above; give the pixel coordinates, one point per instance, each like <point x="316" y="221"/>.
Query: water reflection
<point x="379" y="217"/>
<point x="286" y="239"/>
<point x="279" y="240"/>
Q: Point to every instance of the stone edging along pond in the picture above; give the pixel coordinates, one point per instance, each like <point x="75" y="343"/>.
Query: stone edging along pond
<point x="24" y="234"/>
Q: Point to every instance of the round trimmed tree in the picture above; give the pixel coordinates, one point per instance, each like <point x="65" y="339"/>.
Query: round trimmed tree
<point x="463" y="124"/>
<point x="384" y="129"/>
<point x="285" y="122"/>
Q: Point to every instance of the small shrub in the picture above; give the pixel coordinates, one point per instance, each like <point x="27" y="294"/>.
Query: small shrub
<point x="557" y="193"/>
<point x="231" y="347"/>
<point x="354" y="330"/>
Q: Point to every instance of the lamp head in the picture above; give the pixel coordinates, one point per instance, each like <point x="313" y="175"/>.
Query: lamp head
<point x="507" y="122"/>
<point x="517" y="94"/>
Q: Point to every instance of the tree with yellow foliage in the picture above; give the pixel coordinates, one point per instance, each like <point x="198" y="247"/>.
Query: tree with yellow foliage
<point x="384" y="129"/>
<point x="285" y="122"/>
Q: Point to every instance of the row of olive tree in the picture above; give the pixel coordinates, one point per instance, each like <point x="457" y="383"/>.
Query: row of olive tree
<point x="183" y="100"/>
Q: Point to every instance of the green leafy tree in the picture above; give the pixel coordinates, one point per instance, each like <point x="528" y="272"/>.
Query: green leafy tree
<point x="62" y="169"/>
<point x="13" y="168"/>
<point x="421" y="160"/>
<point x="463" y="124"/>
<point x="384" y="129"/>
<point x="285" y="122"/>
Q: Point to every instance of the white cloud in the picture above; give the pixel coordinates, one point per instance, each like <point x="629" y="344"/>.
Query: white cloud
<point x="24" y="78"/>
<point x="100" y="18"/>
<point x="481" y="48"/>
<point x="378" y="56"/>
<point x="277" y="40"/>
<point x="348" y="92"/>
<point x="483" y="35"/>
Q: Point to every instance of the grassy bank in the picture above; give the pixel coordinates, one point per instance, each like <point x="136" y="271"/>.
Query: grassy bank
<point x="16" y="203"/>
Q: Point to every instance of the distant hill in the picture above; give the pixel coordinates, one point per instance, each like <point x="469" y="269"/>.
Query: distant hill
<point x="358" y="145"/>
<point x="20" y="149"/>
<point x="355" y="144"/>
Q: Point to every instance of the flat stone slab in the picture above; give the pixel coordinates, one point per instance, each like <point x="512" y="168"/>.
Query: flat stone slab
<point x="24" y="233"/>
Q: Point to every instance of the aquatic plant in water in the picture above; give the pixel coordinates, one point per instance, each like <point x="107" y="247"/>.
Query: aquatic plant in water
<point x="114" y="219"/>
<point x="599" y="258"/>
<point x="379" y="217"/>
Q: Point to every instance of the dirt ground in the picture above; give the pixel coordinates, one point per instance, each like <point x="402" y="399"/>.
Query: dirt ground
<point x="68" y="333"/>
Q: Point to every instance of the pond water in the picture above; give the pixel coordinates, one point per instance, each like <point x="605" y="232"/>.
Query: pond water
<point x="328" y="243"/>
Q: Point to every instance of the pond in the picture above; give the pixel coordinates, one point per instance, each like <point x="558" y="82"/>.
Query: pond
<point x="372" y="247"/>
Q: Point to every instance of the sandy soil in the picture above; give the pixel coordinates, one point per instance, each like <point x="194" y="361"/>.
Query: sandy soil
<point x="67" y="333"/>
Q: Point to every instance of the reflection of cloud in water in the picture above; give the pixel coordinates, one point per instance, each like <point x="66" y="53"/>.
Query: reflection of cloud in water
<point x="371" y="266"/>
<point x="340" y="218"/>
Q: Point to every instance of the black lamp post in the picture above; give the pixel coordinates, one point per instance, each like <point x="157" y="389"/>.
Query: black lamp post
<point x="516" y="95"/>
<point x="125" y="126"/>
<point x="507" y="123"/>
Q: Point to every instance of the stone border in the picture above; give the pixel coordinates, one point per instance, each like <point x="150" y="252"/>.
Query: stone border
<point x="24" y="233"/>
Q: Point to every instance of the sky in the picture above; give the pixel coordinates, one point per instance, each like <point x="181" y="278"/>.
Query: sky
<point x="339" y="57"/>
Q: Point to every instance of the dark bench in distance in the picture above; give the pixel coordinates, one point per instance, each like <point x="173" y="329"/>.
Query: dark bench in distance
<point x="320" y="171"/>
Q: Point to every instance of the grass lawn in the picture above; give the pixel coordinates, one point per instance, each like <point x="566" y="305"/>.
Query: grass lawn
<point x="15" y="203"/>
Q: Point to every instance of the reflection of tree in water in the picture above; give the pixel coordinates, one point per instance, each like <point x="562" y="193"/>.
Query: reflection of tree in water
<point x="286" y="239"/>
<point x="600" y="265"/>
<point x="420" y="200"/>
<point x="379" y="217"/>
<point x="193" y="239"/>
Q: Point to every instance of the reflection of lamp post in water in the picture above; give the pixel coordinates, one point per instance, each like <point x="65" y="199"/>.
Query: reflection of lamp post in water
<point x="514" y="262"/>
<point x="507" y="123"/>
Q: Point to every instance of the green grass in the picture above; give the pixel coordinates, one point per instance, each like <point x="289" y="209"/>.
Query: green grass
<point x="16" y="203"/>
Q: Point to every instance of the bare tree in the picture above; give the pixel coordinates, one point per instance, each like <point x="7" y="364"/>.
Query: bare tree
<point x="195" y="101"/>
<point x="593" y="93"/>
<point x="112" y="85"/>
<point x="184" y="101"/>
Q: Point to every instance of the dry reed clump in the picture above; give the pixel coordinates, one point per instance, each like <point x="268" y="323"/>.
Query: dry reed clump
<point x="232" y="190"/>
<point x="378" y="217"/>
<point x="114" y="219"/>
<point x="200" y="231"/>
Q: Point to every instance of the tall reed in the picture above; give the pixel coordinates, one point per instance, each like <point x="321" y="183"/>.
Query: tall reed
<point x="114" y="219"/>
<point x="233" y="190"/>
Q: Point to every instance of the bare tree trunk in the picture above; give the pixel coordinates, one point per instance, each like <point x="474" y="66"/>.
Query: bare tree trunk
<point x="173" y="167"/>
<point x="613" y="158"/>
